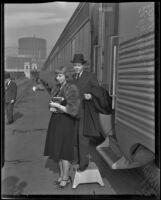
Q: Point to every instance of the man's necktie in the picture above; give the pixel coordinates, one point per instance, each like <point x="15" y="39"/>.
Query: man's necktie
<point x="6" y="85"/>
<point x="77" y="76"/>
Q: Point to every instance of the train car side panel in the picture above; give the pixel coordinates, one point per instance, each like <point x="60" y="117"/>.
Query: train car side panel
<point x="135" y="123"/>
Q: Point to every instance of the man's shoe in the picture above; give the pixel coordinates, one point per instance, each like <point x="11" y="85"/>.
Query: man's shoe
<point x="82" y="168"/>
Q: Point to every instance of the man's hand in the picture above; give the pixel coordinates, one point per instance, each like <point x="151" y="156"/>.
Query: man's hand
<point x="87" y="96"/>
<point x="12" y="101"/>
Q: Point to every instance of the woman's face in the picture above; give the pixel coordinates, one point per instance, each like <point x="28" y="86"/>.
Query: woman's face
<point x="60" y="78"/>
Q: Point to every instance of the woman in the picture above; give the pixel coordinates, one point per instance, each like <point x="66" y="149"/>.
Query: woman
<point x="60" y="137"/>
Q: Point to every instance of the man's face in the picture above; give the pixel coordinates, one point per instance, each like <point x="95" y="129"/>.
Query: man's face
<point x="78" y="67"/>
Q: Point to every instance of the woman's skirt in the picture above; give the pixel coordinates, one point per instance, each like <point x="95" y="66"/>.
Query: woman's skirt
<point x="60" y="137"/>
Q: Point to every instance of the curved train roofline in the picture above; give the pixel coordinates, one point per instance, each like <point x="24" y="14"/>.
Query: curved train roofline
<point x="117" y="39"/>
<point x="55" y="48"/>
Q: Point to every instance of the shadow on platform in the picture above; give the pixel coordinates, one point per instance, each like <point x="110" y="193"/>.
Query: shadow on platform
<point x="51" y="165"/>
<point x="11" y="186"/>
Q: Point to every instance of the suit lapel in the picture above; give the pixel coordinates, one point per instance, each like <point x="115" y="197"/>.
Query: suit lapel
<point x="81" y="77"/>
<point x="8" y="85"/>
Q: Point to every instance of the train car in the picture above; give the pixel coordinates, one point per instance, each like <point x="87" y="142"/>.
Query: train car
<point x="117" y="40"/>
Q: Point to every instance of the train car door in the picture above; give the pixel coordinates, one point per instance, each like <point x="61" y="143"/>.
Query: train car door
<point x="134" y="107"/>
<point x="108" y="36"/>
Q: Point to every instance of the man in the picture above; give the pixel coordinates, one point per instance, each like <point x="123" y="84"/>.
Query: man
<point x="10" y="97"/>
<point x="85" y="81"/>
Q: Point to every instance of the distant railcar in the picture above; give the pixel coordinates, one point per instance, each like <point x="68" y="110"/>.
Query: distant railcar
<point x="117" y="40"/>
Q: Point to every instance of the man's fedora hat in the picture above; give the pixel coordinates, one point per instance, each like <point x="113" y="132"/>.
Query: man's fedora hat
<point x="78" y="58"/>
<point x="7" y="75"/>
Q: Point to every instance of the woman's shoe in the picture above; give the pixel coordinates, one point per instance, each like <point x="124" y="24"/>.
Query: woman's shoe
<point x="64" y="183"/>
<point x="59" y="180"/>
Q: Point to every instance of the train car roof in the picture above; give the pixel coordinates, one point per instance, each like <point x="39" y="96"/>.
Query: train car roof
<point x="80" y="5"/>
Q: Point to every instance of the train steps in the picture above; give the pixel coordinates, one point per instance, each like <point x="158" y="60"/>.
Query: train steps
<point x="112" y="155"/>
<point x="107" y="153"/>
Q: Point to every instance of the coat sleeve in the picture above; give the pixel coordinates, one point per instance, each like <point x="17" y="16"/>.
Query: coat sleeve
<point x="53" y="91"/>
<point x="72" y="100"/>
<point x="94" y="81"/>
<point x="14" y="90"/>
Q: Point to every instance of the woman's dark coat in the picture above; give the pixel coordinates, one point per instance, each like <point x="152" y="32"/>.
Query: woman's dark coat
<point x="71" y="95"/>
<point x="101" y="103"/>
<point x="87" y="126"/>
<point x="60" y="138"/>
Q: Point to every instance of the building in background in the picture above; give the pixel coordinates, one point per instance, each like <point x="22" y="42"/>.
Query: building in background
<point x="30" y="57"/>
<point x="34" y="47"/>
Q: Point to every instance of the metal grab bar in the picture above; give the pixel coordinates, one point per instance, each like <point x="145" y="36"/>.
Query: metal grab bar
<point x="112" y="78"/>
<point x="94" y="56"/>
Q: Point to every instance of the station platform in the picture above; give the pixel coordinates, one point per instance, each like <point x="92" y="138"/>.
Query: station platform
<point x="26" y="171"/>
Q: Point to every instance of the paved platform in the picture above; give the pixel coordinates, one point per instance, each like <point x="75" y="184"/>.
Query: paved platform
<point x="26" y="170"/>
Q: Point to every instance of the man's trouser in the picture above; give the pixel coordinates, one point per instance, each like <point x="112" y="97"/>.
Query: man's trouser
<point x="83" y="150"/>
<point x="9" y="111"/>
<point x="82" y="142"/>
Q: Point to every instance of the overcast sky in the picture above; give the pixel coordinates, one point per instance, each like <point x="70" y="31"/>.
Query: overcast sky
<point x="44" y="20"/>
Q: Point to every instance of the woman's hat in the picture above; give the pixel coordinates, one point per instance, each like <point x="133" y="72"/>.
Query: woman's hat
<point x="61" y="70"/>
<point x="78" y="58"/>
<point x="67" y="71"/>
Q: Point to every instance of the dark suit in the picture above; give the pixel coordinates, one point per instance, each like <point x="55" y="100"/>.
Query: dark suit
<point x="85" y="84"/>
<point x="10" y="94"/>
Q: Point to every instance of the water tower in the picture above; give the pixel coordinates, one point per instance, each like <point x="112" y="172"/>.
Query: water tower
<point x="32" y="46"/>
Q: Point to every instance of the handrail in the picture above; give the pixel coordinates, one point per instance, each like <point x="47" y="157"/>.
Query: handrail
<point x="112" y="78"/>
<point x="94" y="56"/>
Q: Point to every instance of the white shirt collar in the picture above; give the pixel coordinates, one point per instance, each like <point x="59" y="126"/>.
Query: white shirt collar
<point x="9" y="82"/>
<point x="80" y="74"/>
